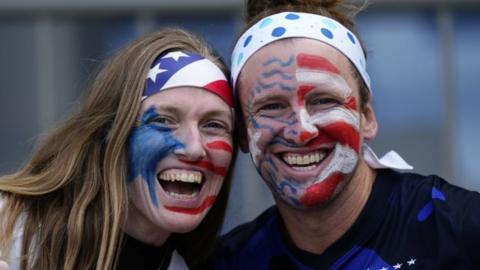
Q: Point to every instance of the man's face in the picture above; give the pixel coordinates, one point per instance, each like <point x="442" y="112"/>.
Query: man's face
<point x="300" y="103"/>
<point x="179" y="154"/>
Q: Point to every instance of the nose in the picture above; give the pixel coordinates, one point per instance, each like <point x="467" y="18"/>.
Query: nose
<point x="300" y="130"/>
<point x="193" y="149"/>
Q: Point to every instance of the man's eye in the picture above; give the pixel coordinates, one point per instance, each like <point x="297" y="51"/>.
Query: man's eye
<point x="272" y="107"/>
<point x="323" y="101"/>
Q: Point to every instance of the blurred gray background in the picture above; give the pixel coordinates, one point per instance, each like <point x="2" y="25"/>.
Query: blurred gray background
<point x="424" y="62"/>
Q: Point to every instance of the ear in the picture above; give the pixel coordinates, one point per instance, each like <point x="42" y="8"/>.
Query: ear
<point x="369" y="123"/>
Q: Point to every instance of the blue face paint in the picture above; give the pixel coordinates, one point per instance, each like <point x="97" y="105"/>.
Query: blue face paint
<point x="279" y="73"/>
<point x="148" y="144"/>
<point x="279" y="61"/>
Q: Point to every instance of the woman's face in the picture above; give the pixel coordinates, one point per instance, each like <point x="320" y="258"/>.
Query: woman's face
<point x="179" y="154"/>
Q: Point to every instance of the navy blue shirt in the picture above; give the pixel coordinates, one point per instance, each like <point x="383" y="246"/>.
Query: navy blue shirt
<point x="409" y="222"/>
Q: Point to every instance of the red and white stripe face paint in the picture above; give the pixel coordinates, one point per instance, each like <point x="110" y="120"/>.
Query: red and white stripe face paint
<point x="300" y="102"/>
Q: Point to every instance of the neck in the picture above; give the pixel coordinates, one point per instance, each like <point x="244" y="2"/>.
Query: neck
<point x="314" y="230"/>
<point x="142" y="229"/>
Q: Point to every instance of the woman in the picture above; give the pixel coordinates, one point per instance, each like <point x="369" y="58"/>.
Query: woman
<point x="131" y="178"/>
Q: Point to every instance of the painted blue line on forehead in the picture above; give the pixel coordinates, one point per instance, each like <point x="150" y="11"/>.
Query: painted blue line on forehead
<point x="278" y="72"/>
<point x="281" y="62"/>
<point x="268" y="86"/>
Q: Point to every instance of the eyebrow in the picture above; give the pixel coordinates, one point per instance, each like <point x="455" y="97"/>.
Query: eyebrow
<point x="174" y="110"/>
<point x="265" y="98"/>
<point x="321" y="79"/>
<point x="167" y="108"/>
<point x="213" y="113"/>
<point x="312" y="61"/>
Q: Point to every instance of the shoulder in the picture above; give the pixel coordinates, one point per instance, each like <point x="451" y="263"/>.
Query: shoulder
<point x="413" y="186"/>
<point x="433" y="187"/>
<point x="450" y="211"/>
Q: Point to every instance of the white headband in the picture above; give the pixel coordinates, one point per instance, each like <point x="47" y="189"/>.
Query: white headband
<point x="297" y="24"/>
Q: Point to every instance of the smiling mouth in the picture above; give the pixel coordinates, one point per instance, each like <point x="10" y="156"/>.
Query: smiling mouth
<point x="181" y="184"/>
<point x="304" y="161"/>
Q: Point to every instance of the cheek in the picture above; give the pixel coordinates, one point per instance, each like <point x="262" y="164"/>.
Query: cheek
<point x="147" y="146"/>
<point x="342" y="124"/>
<point x="344" y="133"/>
<point x="265" y="132"/>
<point x="144" y="148"/>
<point x="220" y="151"/>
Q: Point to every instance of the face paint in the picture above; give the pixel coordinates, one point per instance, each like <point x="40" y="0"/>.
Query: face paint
<point x="220" y="145"/>
<point x="304" y="141"/>
<point x="148" y="144"/>
<point x="207" y="165"/>
<point x="194" y="211"/>
<point x="179" y="155"/>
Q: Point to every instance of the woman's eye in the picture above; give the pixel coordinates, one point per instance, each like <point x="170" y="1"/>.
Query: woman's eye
<point x="216" y="128"/>
<point x="161" y="120"/>
<point x="213" y="125"/>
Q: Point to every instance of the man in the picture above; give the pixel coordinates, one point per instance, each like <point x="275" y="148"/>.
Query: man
<point x="301" y="81"/>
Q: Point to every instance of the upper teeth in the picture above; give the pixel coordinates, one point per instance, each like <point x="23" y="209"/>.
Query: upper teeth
<point x="296" y="159"/>
<point x="189" y="177"/>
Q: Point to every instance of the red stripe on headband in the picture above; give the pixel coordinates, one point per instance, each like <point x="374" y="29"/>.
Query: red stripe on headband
<point x="221" y="89"/>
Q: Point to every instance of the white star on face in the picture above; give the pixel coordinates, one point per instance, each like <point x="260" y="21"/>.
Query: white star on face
<point x="397" y="266"/>
<point x="411" y="262"/>
<point x="175" y="55"/>
<point x="152" y="74"/>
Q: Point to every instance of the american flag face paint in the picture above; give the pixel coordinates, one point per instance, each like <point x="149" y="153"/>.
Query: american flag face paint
<point x="179" y="154"/>
<point x="303" y="121"/>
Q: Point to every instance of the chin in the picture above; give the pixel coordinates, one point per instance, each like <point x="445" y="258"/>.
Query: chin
<point x="181" y="223"/>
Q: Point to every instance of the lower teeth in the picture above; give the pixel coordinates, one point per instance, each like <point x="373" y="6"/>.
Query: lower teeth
<point x="182" y="196"/>
<point x="305" y="168"/>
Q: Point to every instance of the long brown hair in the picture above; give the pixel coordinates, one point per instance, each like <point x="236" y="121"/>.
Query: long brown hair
<point x="338" y="10"/>
<point x="71" y="195"/>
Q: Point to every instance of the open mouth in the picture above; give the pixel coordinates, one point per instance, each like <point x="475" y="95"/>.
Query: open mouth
<point x="305" y="161"/>
<point x="181" y="184"/>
